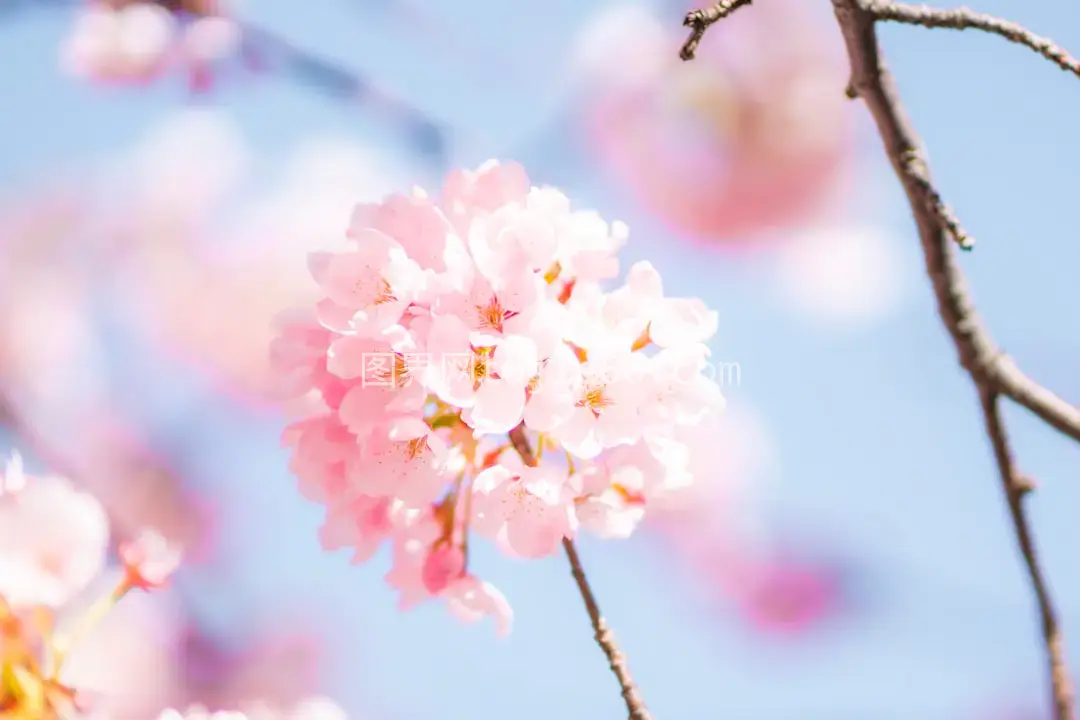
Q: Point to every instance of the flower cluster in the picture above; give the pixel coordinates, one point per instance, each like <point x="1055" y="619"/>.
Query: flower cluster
<point x="466" y="372"/>
<point x="134" y="42"/>
<point x="53" y="544"/>
<point x="54" y="540"/>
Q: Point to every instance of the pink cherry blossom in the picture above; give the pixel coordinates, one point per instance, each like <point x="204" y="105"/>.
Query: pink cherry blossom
<point x="135" y="42"/>
<point x="786" y="597"/>
<point x="609" y="506"/>
<point x="472" y="599"/>
<point x="53" y="539"/>
<point x="468" y="193"/>
<point x="369" y="289"/>
<point x="442" y="566"/>
<point x="677" y="389"/>
<point x="65" y="648"/>
<point x="131" y="44"/>
<point x="607" y="396"/>
<point x="378" y="380"/>
<point x="184" y="263"/>
<point x="491" y="309"/>
<point x="459" y="320"/>
<point x="149" y="560"/>
<point x="361" y="523"/>
<point x="527" y="510"/>
<point x="417" y="223"/>
<point x="403" y="459"/>
<point x="490" y="381"/>
<point x="640" y="304"/>
<point x="777" y="143"/>
<point x="419" y="535"/>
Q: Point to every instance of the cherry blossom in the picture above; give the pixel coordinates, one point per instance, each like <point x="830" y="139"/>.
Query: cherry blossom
<point x="135" y="42"/>
<point x="528" y="510"/>
<point x="778" y="143"/>
<point x="149" y="560"/>
<point x="70" y="648"/>
<point x="184" y="256"/>
<point x="53" y="541"/>
<point x="459" y="324"/>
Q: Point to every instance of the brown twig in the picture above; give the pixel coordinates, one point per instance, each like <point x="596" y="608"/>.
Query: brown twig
<point x="993" y="374"/>
<point x="605" y="638"/>
<point x="1016" y="488"/>
<point x="701" y="20"/>
<point x="966" y="19"/>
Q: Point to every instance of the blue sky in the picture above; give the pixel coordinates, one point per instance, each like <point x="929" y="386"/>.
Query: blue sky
<point x="877" y="430"/>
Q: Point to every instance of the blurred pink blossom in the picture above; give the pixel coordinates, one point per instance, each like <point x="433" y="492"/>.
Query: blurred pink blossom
<point x="53" y="539"/>
<point x="136" y="41"/>
<point x="784" y="596"/>
<point x="737" y="143"/>
<point x="149" y="560"/>
<point x="253" y="265"/>
<point x="714" y="530"/>
<point x="48" y="351"/>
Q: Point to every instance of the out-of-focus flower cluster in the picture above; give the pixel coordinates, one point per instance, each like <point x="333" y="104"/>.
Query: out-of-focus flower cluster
<point x="456" y="330"/>
<point x="54" y="539"/>
<point x="731" y="147"/>
<point x="135" y="41"/>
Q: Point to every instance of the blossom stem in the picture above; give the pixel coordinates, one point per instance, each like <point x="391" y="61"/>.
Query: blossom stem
<point x="605" y="638"/>
<point x="94" y="615"/>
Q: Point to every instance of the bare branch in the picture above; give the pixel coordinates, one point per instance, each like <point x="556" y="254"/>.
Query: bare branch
<point x="605" y="638"/>
<point x="1011" y="382"/>
<point x="966" y="19"/>
<point x="990" y="372"/>
<point x="916" y="170"/>
<point x="701" y="20"/>
<point x="1016" y="488"/>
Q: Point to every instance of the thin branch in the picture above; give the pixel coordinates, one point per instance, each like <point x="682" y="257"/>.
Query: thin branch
<point x="872" y="82"/>
<point x="423" y="135"/>
<point x="418" y="130"/>
<point x="701" y="20"/>
<point x="1017" y="488"/>
<point x="1011" y="382"/>
<point x="605" y="638"/>
<point x="965" y="19"/>
<point x="978" y="351"/>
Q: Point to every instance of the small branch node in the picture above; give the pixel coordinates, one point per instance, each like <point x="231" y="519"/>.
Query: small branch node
<point x="701" y="20"/>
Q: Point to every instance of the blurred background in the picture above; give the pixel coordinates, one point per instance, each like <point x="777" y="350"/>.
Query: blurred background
<point x="851" y="558"/>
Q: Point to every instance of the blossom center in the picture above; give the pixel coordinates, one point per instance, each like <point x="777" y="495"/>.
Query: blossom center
<point x="374" y="289"/>
<point x="417" y="447"/>
<point x="595" y="399"/>
<point x="492" y="315"/>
